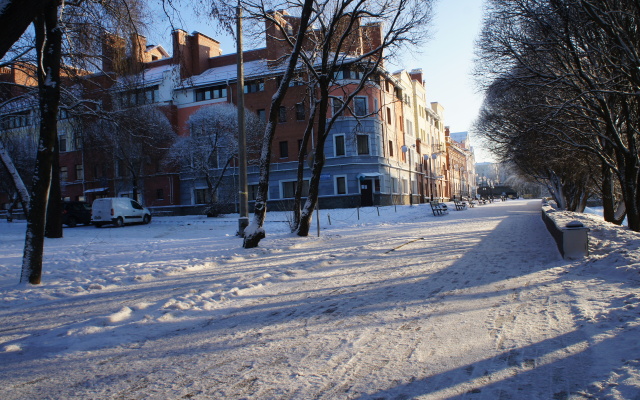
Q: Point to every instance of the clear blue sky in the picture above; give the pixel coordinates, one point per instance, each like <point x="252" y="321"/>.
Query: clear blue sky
<point x="446" y="60"/>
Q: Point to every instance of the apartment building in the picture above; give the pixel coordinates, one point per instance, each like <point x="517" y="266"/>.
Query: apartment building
<point x="388" y="147"/>
<point x="460" y="165"/>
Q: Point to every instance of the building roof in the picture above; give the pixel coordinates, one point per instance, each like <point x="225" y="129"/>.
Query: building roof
<point x="148" y="77"/>
<point x="230" y="73"/>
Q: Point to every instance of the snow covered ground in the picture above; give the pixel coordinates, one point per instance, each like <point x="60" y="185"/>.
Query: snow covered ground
<point x="397" y="304"/>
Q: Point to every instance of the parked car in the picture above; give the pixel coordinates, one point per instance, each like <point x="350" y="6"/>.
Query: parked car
<point x="76" y="212"/>
<point x="118" y="211"/>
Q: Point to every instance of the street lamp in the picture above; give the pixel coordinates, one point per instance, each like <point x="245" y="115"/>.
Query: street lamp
<point x="243" y="195"/>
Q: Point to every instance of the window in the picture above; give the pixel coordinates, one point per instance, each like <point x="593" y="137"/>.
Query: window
<point x="388" y="116"/>
<point x="362" y="144"/>
<point x="394" y="185"/>
<point x="346" y="73"/>
<point x="282" y="114"/>
<point x="289" y="189"/>
<point x="300" y="112"/>
<point x="360" y="106"/>
<point x="159" y="194"/>
<point x="341" y="185"/>
<point x="390" y="148"/>
<point x="337" y="103"/>
<point x="79" y="172"/>
<point x="262" y="115"/>
<point x="212" y="92"/>
<point x="255" y="86"/>
<point x="138" y="97"/>
<point x="202" y="196"/>
<point x="64" y="174"/>
<point x="409" y="126"/>
<point x="17" y="120"/>
<point x="339" y="145"/>
<point x="284" y="149"/>
<point x="253" y="192"/>
<point x="213" y="159"/>
<point x="62" y="143"/>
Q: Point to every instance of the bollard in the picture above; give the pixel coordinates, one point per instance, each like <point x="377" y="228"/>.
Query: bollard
<point x="575" y="241"/>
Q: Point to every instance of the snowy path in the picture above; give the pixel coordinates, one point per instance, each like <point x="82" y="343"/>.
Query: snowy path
<point x="477" y="304"/>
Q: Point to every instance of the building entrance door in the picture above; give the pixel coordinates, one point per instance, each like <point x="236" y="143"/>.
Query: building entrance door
<point x="366" y="193"/>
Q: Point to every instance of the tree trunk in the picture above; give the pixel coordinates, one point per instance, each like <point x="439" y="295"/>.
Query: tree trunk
<point x="631" y="198"/>
<point x="302" y="159"/>
<point x="613" y="210"/>
<point x="15" y="19"/>
<point x="255" y="231"/>
<point x="18" y="183"/>
<point x="53" y="227"/>
<point x="318" y="163"/>
<point x="48" y="44"/>
<point x="134" y="186"/>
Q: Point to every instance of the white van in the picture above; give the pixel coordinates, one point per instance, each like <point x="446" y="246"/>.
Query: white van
<point x="118" y="211"/>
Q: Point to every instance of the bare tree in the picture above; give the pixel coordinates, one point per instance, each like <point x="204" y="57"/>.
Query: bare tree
<point x="17" y="152"/>
<point x="15" y="18"/>
<point x="582" y="59"/>
<point x="518" y="128"/>
<point x="48" y="43"/>
<point x="138" y="139"/>
<point x="354" y="37"/>
<point x="212" y="147"/>
<point x="254" y="232"/>
<point x="52" y="24"/>
<point x="328" y="36"/>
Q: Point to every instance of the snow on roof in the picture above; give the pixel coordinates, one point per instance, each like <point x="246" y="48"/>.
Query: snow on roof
<point x="159" y="48"/>
<point x="148" y="77"/>
<point x="252" y="69"/>
<point x="230" y="73"/>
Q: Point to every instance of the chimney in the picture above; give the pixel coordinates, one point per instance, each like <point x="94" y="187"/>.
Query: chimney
<point x="113" y="53"/>
<point x="416" y="75"/>
<point x="138" y="52"/>
<point x="201" y="49"/>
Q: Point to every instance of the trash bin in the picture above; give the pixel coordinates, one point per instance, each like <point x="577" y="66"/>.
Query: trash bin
<point x="575" y="240"/>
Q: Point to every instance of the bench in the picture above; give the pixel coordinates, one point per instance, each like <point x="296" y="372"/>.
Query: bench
<point x="439" y="208"/>
<point x="460" y="205"/>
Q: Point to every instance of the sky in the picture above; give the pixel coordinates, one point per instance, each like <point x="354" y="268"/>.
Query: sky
<point x="446" y="60"/>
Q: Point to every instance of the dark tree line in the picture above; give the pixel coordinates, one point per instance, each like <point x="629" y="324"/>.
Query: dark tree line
<point x="562" y="104"/>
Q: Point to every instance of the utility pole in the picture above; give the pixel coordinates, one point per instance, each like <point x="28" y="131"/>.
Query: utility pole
<point x="243" y="198"/>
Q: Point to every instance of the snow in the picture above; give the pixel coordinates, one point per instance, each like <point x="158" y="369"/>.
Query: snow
<point x="230" y="72"/>
<point x="386" y="303"/>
